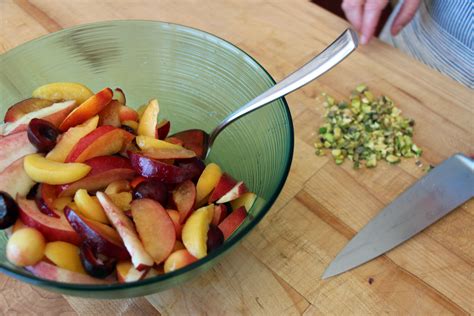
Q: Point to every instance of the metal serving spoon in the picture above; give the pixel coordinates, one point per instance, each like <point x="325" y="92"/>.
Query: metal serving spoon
<point x="343" y="46"/>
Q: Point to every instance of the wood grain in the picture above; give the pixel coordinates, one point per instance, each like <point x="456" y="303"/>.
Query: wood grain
<point x="277" y="269"/>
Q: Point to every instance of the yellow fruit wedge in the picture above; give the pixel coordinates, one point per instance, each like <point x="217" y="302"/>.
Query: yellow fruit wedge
<point x="207" y="181"/>
<point x="61" y="91"/>
<point x="89" y="206"/>
<point x="71" y="138"/>
<point x="122" y="200"/>
<point x="146" y="143"/>
<point x="64" y="255"/>
<point x="47" y="171"/>
<point x="149" y="119"/>
<point x="194" y="234"/>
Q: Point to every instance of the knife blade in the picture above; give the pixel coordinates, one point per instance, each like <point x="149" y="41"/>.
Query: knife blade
<point x="436" y="194"/>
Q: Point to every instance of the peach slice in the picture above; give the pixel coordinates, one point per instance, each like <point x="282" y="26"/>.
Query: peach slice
<point x="174" y="215"/>
<point x="110" y="114"/>
<point x="178" y="259"/>
<point x="69" y="139"/>
<point x="89" y="207"/>
<point x="47" y="171"/>
<point x="102" y="238"/>
<point x="194" y="234"/>
<point x="51" y="272"/>
<point x="60" y="91"/>
<point x="128" y="114"/>
<point x="170" y="154"/>
<point x="117" y="187"/>
<point x="122" y="200"/>
<point x="119" y="95"/>
<point x="64" y="255"/>
<point x="103" y="141"/>
<point x="60" y="203"/>
<point x="208" y="181"/>
<point x="146" y="142"/>
<point x="54" y="114"/>
<point x="155" y="228"/>
<point x="45" y="199"/>
<point x="87" y="109"/>
<point x="225" y="184"/>
<point x="105" y="170"/>
<point x="247" y="200"/>
<point x="25" y="247"/>
<point x="163" y="129"/>
<point x="220" y="212"/>
<point x="149" y="119"/>
<point x="234" y="193"/>
<point x="126" y="272"/>
<point x="14" y="179"/>
<point x="230" y="224"/>
<point x="13" y="147"/>
<point x="184" y="197"/>
<point x="53" y="229"/>
<point x="174" y="140"/>
<point x="140" y="257"/>
<point x="24" y="107"/>
<point x="193" y="140"/>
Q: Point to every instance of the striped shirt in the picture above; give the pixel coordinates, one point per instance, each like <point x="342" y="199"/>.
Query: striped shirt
<point x="441" y="36"/>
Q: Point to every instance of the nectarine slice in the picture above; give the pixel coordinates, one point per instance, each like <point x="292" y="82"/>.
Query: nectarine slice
<point x="140" y="257"/>
<point x="103" y="141"/>
<point x="184" y="197"/>
<point x="208" y="181"/>
<point x="14" y="147"/>
<point x="89" y="207"/>
<point x="47" y="171"/>
<point x="155" y="228"/>
<point x="230" y="224"/>
<point x="194" y="234"/>
<point x="247" y="200"/>
<point x="61" y="91"/>
<point x="89" y="108"/>
<point x="24" y="107"/>
<point x="146" y="142"/>
<point x="225" y="184"/>
<point x="14" y="180"/>
<point x="178" y="259"/>
<point x="126" y="272"/>
<point x="110" y="115"/>
<point x="220" y="212"/>
<point x="128" y="114"/>
<point x="51" y="272"/>
<point x="69" y="139"/>
<point x="149" y="119"/>
<point x="234" y="193"/>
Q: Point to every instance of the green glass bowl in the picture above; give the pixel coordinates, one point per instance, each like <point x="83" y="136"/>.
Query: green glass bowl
<point x="198" y="79"/>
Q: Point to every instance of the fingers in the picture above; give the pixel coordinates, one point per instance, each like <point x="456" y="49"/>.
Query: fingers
<point x="370" y="19"/>
<point x="353" y="10"/>
<point x="406" y="13"/>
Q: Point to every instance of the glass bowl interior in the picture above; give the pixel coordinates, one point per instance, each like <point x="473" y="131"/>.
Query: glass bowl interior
<point x="198" y="79"/>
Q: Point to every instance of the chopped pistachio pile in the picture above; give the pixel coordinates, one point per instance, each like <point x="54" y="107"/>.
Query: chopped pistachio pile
<point x="365" y="130"/>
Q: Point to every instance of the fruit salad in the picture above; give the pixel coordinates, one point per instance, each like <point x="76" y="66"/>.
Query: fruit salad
<point x="92" y="191"/>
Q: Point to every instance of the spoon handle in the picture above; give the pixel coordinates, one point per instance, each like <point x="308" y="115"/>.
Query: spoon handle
<point x="345" y="44"/>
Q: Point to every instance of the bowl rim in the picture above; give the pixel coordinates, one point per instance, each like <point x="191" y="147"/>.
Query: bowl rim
<point x="56" y="285"/>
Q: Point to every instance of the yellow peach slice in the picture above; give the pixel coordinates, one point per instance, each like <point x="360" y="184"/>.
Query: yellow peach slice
<point x="118" y="186"/>
<point x="64" y="255"/>
<point x="194" y="234"/>
<point x="146" y="143"/>
<point x="122" y="200"/>
<point x="71" y="138"/>
<point x="177" y="260"/>
<point x="89" y="206"/>
<point x="149" y="119"/>
<point x="59" y="91"/>
<point x="47" y="171"/>
<point x="207" y="181"/>
<point x="246" y="200"/>
<point x="60" y="203"/>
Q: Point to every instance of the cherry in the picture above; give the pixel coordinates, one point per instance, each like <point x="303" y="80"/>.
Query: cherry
<point x="151" y="189"/>
<point x="42" y="134"/>
<point x="215" y="238"/>
<point x="8" y="210"/>
<point x="97" y="266"/>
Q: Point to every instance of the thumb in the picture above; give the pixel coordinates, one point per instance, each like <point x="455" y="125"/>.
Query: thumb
<point x="404" y="16"/>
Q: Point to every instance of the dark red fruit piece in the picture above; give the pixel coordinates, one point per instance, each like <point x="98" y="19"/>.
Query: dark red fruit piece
<point x="193" y="166"/>
<point x="97" y="266"/>
<point x="33" y="192"/>
<point x="151" y="189"/>
<point x="44" y="208"/>
<point x="195" y="140"/>
<point x="215" y="238"/>
<point x="9" y="211"/>
<point x="42" y="134"/>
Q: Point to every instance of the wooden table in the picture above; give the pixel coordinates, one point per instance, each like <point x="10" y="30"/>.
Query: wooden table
<point x="277" y="269"/>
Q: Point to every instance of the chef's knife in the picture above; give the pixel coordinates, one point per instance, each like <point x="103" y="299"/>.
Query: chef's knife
<point x="436" y="194"/>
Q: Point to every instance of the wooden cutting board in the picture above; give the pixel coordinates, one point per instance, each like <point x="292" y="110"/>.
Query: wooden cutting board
<point x="277" y="269"/>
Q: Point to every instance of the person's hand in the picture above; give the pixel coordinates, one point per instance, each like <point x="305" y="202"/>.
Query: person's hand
<point x="364" y="15"/>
